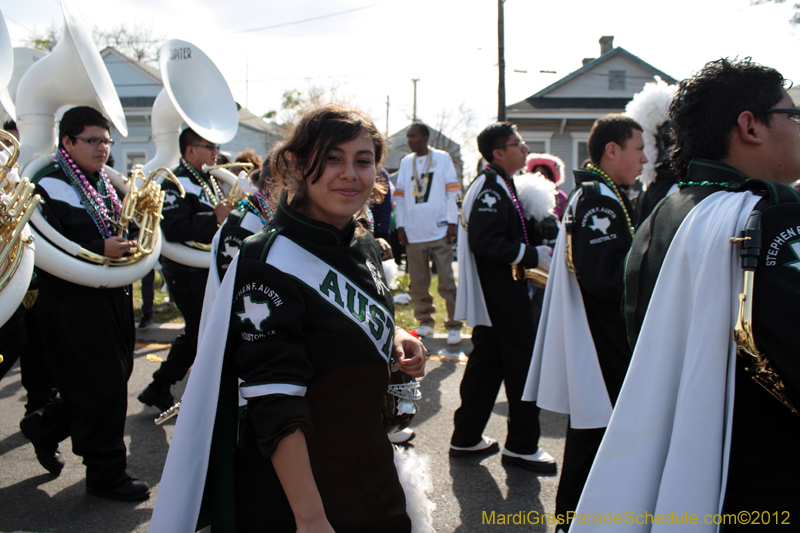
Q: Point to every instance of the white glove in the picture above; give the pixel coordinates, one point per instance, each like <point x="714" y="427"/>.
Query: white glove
<point x="545" y="257"/>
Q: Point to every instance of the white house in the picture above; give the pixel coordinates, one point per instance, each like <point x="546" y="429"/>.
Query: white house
<point x="138" y="85"/>
<point x="558" y="119"/>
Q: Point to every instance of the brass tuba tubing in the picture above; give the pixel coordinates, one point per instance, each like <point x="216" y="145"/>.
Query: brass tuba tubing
<point x="235" y="195"/>
<point x="16" y="207"/>
<point x="13" y="155"/>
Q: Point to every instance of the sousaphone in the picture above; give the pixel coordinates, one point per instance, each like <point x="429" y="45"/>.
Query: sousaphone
<point x="73" y="74"/>
<point x="195" y="92"/>
<point x="23" y="59"/>
<point x="17" y="202"/>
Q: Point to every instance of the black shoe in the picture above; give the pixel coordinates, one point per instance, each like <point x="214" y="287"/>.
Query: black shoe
<point x="157" y="395"/>
<point x="145" y="322"/>
<point x="131" y="490"/>
<point x="46" y="453"/>
<point x="52" y="461"/>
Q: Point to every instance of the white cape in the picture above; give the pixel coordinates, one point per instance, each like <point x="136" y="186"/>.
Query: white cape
<point x="470" y="303"/>
<point x="184" y="477"/>
<point x="666" y="447"/>
<point x="565" y="375"/>
<point x="212" y="283"/>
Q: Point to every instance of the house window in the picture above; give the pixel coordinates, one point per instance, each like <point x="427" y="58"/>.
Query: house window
<point x="583" y="153"/>
<point x="134" y="158"/>
<point x="616" y="80"/>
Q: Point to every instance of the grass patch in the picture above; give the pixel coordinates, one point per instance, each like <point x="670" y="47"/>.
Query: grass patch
<point x="164" y="312"/>
<point x="404" y="314"/>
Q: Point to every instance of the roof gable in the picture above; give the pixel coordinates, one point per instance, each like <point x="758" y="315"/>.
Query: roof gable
<point x="131" y="78"/>
<point x="588" y="75"/>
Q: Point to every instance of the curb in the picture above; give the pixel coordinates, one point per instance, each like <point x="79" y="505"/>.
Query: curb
<point x="436" y="345"/>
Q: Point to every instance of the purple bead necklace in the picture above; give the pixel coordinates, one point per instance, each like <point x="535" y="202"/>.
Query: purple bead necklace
<point x="516" y="204"/>
<point x="98" y="202"/>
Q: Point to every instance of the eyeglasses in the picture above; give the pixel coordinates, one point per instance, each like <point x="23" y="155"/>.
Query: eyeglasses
<point x="521" y="143"/>
<point x="794" y="114"/>
<point x="212" y="147"/>
<point x="96" y="141"/>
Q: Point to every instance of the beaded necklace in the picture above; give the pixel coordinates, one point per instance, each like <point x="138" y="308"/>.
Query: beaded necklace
<point x="417" y="179"/>
<point x="723" y="184"/>
<point x="600" y="172"/>
<point x="214" y="195"/>
<point x="262" y="209"/>
<point x="97" y="202"/>
<point x="515" y="202"/>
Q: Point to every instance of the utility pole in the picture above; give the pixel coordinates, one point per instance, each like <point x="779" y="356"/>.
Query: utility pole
<point x="247" y="82"/>
<point x="387" y="116"/>
<point x="501" y="64"/>
<point x="414" y="81"/>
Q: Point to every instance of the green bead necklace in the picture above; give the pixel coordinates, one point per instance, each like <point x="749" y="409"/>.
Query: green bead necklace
<point x="613" y="186"/>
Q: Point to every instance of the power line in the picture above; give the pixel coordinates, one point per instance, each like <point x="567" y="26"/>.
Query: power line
<point x="307" y="20"/>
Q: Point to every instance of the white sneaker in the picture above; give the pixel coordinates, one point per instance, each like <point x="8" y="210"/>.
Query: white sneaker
<point x="486" y="446"/>
<point x="424" y="330"/>
<point x="453" y="336"/>
<point x="402" y="436"/>
<point x="541" y="461"/>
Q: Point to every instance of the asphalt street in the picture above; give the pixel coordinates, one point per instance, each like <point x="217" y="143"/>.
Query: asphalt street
<point x="466" y="490"/>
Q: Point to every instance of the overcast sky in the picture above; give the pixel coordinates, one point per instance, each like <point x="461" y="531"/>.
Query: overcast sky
<point x="373" y="48"/>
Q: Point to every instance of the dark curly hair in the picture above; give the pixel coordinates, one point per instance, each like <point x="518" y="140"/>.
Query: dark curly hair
<point x="317" y="133"/>
<point x="708" y="104"/>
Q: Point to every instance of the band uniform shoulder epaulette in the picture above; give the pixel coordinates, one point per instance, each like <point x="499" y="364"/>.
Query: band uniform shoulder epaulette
<point x="49" y="170"/>
<point x="257" y="245"/>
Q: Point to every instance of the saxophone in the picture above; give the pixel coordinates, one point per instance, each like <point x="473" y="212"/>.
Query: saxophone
<point x="759" y="366"/>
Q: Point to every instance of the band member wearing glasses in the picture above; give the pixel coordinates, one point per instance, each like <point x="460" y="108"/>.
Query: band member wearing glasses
<point x="499" y="307"/>
<point x="88" y="333"/>
<point x="195" y="218"/>
<point x="581" y="353"/>
<point x="693" y="430"/>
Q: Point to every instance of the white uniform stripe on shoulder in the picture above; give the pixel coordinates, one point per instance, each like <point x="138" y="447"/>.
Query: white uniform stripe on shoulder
<point x="266" y="389"/>
<point x="61" y="191"/>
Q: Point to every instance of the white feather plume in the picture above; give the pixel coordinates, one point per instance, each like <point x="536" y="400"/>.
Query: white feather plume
<point x="390" y="270"/>
<point x="536" y="195"/>
<point x="650" y="107"/>
<point x="412" y="469"/>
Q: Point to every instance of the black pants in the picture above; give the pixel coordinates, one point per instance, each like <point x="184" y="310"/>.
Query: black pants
<point x="88" y="337"/>
<point x="501" y="353"/>
<point x="187" y="287"/>
<point x="580" y="450"/>
<point x="20" y="338"/>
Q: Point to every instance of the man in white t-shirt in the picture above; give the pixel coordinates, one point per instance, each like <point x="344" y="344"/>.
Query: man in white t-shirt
<point x="426" y="217"/>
